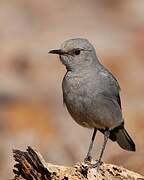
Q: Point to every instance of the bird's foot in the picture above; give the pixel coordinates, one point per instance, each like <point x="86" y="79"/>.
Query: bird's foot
<point x="89" y="163"/>
<point x="88" y="160"/>
<point x="96" y="164"/>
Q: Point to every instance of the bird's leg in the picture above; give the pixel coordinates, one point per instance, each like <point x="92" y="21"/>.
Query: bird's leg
<point x="106" y="136"/>
<point x="88" y="156"/>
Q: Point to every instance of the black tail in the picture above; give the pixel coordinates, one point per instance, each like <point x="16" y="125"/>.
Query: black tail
<point x="120" y="135"/>
<point x="124" y="140"/>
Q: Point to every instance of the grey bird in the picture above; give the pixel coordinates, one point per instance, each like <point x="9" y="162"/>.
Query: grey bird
<point x="91" y="94"/>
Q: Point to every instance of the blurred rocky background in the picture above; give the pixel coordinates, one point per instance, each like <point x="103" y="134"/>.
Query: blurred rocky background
<point x="31" y="105"/>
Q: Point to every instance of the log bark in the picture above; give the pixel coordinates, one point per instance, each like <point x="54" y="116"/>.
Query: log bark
<point x="30" y="165"/>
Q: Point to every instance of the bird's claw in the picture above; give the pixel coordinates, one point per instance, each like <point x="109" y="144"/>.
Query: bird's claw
<point x="96" y="164"/>
<point x="89" y="163"/>
<point x="88" y="160"/>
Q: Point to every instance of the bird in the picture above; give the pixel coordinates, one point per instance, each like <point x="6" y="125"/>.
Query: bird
<point x="91" y="94"/>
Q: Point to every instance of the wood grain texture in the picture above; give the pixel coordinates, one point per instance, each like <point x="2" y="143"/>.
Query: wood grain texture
<point x="30" y="165"/>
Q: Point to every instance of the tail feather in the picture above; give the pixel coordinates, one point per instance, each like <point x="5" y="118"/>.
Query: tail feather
<point x="121" y="136"/>
<point x="124" y="140"/>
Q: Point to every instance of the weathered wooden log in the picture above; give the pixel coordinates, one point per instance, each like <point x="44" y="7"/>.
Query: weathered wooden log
<point x="30" y="165"/>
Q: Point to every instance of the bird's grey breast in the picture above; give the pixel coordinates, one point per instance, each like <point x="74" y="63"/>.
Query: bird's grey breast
<point x="90" y="100"/>
<point x="76" y="91"/>
<point x="75" y="87"/>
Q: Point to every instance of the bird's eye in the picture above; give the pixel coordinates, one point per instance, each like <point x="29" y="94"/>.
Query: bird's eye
<point x="76" y="51"/>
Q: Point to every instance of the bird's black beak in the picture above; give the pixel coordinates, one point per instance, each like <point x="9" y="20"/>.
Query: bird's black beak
<point x="57" y="51"/>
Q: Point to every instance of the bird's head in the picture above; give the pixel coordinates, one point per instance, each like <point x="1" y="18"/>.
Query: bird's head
<point x="76" y="53"/>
